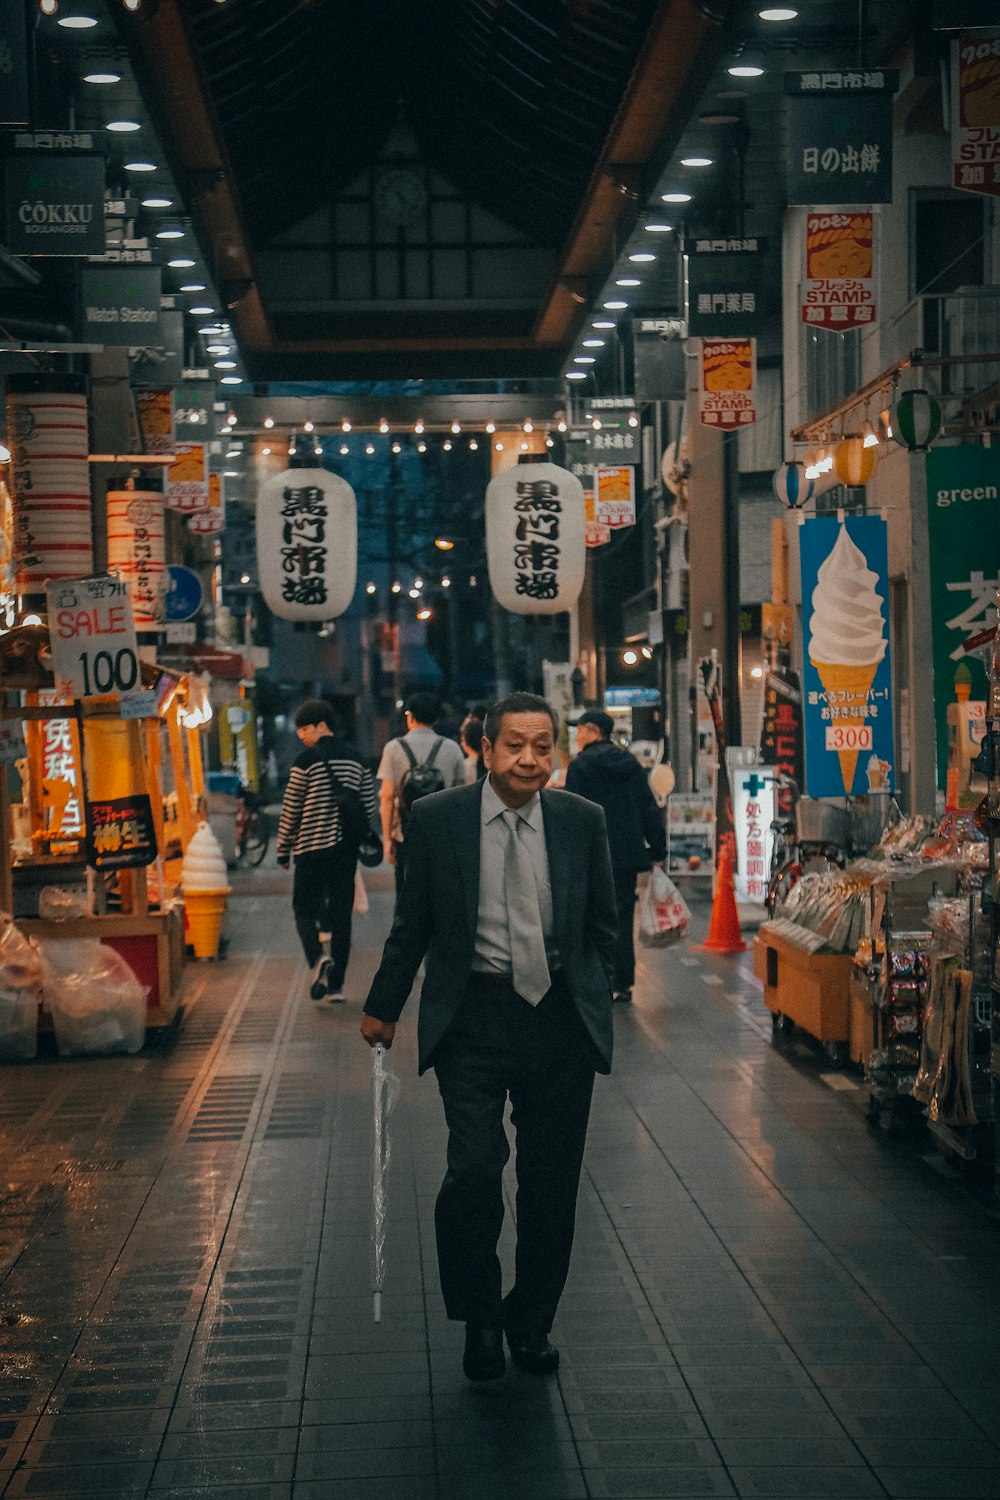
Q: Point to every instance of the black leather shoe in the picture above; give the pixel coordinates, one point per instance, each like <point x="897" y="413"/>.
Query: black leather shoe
<point x="533" y="1352"/>
<point x="483" y="1358"/>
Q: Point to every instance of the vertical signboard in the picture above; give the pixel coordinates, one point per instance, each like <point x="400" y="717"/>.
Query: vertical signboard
<point x="848" y="677"/>
<point x="839" y="289"/>
<point x="728" y="375"/>
<point x="975" y="112"/>
<point x="187" y="478"/>
<point x="727" y="288"/>
<point x="120" y="305"/>
<point x="840" y="136"/>
<point x="963" y="495"/>
<point x="156" y="418"/>
<point x="55" y="202"/>
<point x="754" y="811"/>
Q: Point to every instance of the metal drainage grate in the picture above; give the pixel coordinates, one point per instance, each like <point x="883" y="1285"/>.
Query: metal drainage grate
<point x="86" y="1168"/>
<point x="225" y="1109"/>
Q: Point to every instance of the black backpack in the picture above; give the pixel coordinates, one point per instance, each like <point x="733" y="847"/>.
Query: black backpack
<point x="422" y="778"/>
<point x="355" y="830"/>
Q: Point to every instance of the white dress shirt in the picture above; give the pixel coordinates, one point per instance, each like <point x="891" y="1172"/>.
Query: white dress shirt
<point x="492" y="950"/>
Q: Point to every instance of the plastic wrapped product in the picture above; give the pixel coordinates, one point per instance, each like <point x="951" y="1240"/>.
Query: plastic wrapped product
<point x="20" y="994"/>
<point x="97" y="1003"/>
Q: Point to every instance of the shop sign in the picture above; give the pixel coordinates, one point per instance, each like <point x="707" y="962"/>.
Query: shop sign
<point x="658" y="353"/>
<point x="618" y="440"/>
<point x="840" y="136"/>
<point x="55" y="202"/>
<point x="14" y="67"/>
<point x="238" y="741"/>
<point x="963" y="495"/>
<point x="156" y="419"/>
<point x="307" y="544"/>
<point x="121" y="834"/>
<point x="728" y="375"/>
<point x="596" y="532"/>
<point x="535" y="538"/>
<point x="839" y="289"/>
<point x="92" y="635"/>
<point x="614" y="502"/>
<point x="781" y="743"/>
<point x="975" y="112"/>
<point x="187" y="478"/>
<point x="753" y="813"/>
<point x="135" y="551"/>
<point x="120" y="305"/>
<point x="213" y="520"/>
<point x="727" y="288"/>
<point x="184" y="592"/>
<point x="848" y="677"/>
<point x="60" y="759"/>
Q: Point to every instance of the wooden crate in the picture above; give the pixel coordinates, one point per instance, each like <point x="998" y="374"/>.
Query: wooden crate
<point x="811" y="989"/>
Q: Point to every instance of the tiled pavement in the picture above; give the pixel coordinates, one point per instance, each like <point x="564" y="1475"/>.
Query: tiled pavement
<point x="767" y="1298"/>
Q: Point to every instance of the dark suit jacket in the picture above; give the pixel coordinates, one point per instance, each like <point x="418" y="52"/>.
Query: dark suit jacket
<point x="439" y="905"/>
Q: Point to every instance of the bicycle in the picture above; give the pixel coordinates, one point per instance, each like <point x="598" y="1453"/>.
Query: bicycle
<point x="792" y="857"/>
<point x="251" y="833"/>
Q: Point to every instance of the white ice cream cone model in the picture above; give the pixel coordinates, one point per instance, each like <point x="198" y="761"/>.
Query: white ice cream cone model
<point x="847" y="640"/>
<point x="205" y="884"/>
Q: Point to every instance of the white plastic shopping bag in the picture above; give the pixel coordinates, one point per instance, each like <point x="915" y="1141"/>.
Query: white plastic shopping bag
<point x="663" y="912"/>
<point x="360" y="894"/>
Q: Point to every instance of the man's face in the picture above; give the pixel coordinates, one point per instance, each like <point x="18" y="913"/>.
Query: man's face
<point x="309" y="734"/>
<point x="586" y="734"/>
<point x="519" y="760"/>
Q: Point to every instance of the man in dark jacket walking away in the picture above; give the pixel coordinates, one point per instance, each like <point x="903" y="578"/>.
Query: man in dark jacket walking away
<point x="636" y="832"/>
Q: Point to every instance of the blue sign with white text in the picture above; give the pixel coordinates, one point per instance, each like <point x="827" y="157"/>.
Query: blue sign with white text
<point x="847" y="680"/>
<point x="184" y="592"/>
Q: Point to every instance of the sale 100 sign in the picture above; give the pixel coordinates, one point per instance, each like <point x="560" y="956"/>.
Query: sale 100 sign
<point x="92" y="635"/>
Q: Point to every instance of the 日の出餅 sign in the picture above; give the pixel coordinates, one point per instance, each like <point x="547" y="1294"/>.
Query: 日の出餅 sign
<point x="535" y="538"/>
<point x="975" y="112"/>
<point x="839" y="289"/>
<point x="840" y="136"/>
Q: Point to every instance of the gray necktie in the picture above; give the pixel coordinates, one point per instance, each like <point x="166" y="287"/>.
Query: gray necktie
<point x="530" y="969"/>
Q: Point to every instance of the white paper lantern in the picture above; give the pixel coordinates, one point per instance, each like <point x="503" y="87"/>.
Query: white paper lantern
<point x="307" y="544"/>
<point x="535" y="539"/>
<point x="791" y="485"/>
<point x="47" y="428"/>
<point x="135" y="552"/>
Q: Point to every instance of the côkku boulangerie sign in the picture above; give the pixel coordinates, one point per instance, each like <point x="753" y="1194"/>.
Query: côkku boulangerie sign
<point x="535" y="538"/>
<point x="307" y="544"/>
<point x="839" y="289"/>
<point x="728" y="376"/>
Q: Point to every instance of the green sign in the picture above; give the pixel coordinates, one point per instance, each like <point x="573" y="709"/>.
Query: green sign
<point x="120" y="305"/>
<point x="963" y="498"/>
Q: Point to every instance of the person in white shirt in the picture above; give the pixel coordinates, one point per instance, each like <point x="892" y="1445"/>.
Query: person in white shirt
<point x="420" y="712"/>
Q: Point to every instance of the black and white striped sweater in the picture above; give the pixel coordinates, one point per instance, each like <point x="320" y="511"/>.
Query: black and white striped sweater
<point x="310" y="820"/>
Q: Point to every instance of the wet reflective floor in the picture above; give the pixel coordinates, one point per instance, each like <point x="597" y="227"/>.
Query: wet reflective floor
<point x="768" y="1298"/>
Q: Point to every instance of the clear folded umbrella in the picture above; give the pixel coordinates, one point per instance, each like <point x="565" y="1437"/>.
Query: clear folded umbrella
<point x="385" y="1089"/>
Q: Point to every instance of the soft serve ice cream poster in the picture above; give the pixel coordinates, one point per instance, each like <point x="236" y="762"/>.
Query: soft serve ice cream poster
<point x="847" y="680"/>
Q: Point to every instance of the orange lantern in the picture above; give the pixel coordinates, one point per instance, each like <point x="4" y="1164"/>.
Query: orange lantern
<point x="853" y="462"/>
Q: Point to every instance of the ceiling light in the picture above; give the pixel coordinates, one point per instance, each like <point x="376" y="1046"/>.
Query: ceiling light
<point x="48" y="7"/>
<point x="397" y="588"/>
<point x="344" y="450"/>
<point x="745" y="67"/>
<point x="318" y="450"/>
<point x="697" y="161"/>
<point x="123" y="127"/>
<point x="423" y="614"/>
<point x="675" y="197"/>
<point x="383" y="426"/>
<point x="456" y="427"/>
<point x="659" y="228"/>
<point x="345" y="425"/>
<point x="756" y="672"/>
<point x="549" y="443"/>
<point x="230" y="473"/>
<point x="78" y="22"/>
<point x="778" y="13"/>
<point x="201" y="311"/>
<point x="102" y="76"/>
<point x="615" y="306"/>
<point x="418" y="428"/>
<point x="269" y="422"/>
<point x="603" y="323"/>
<point x="4" y="454"/>
<point x="421" y="447"/>
<point x="447" y="445"/>
<point x="132" y="5"/>
<point x="596" y="424"/>
<point x="633" y="420"/>
<point x="628" y="281"/>
<point x="233" y="452"/>
<point x="524" y="447"/>
<point x="231" y="380"/>
<point x="593" y="343"/>
<point x="561" y="426"/>
<point x="491" y="427"/>
<point x="140" y="166"/>
<point x="266" y="452"/>
<point x="527" y="426"/>
<point x="570" y="375"/>
<point x="584" y="359"/>
<point x="156" y="202"/>
<point x="370" y="588"/>
<point x="218" y="349"/>
<point x="443" y="543"/>
<point x="369" y="449"/>
<point x="308" y="427"/>
<point x="647" y="652"/>
<point x="193" y="286"/>
<point x="418" y="583"/>
<point x="473" y="446"/>
<point x="244" y="578"/>
<point x="397" y="447"/>
<point x="231" y="419"/>
<point x="181" y="263"/>
<point x="642" y="257"/>
<point x="498" y="446"/>
<point x="225" y="364"/>
<point x="173" y="233"/>
<point x="630" y="658"/>
<point x="413" y="593"/>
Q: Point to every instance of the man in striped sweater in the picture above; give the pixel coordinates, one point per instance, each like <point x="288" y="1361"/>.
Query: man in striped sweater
<point x="323" y="889"/>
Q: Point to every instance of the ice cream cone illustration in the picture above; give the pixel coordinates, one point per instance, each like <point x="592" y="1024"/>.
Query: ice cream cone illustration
<point x="847" y="640"/>
<point x="206" y="892"/>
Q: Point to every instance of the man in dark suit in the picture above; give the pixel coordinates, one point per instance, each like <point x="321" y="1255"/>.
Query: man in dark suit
<point x="509" y="894"/>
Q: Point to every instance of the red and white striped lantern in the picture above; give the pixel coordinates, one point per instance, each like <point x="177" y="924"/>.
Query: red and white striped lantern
<point x="50" y="479"/>
<point x="135" y="552"/>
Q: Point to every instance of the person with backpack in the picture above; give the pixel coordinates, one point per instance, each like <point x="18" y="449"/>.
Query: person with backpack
<point x="414" y="765"/>
<point x="328" y="809"/>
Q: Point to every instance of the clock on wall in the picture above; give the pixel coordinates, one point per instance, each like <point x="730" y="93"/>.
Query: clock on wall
<point x="399" y="195"/>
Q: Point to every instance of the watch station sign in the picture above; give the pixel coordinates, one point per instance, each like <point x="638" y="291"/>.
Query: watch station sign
<point x="55" y="202"/>
<point x="120" y="305"/>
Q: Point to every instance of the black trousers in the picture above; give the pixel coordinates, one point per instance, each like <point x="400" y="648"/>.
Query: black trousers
<point x="543" y="1058"/>
<point x="625" y="898"/>
<point x="323" y="899"/>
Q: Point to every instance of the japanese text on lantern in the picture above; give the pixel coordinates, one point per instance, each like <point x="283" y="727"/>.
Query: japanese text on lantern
<point x="536" y="548"/>
<point x="303" y="545"/>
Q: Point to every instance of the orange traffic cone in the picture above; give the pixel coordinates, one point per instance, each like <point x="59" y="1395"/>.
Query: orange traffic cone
<point x="724" y="928"/>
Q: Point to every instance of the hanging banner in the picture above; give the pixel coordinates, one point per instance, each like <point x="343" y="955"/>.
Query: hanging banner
<point x="839" y="289"/>
<point x="187" y="478"/>
<point x="754" y="810"/>
<point x="156" y="419"/>
<point x="121" y="833"/>
<point x="120" y="305"/>
<point x="848" y="677"/>
<point x="60" y="760"/>
<point x="614" y="501"/>
<point x="781" y="743"/>
<point x="728" y="290"/>
<point x="975" y="112"/>
<point x="212" y="520"/>
<point x="135" y="552"/>
<point x="596" y="533"/>
<point x="659" y="359"/>
<point x="963" y="496"/>
<point x="535" y="542"/>
<point x="840" y="136"/>
<point x="307" y="544"/>
<point x="728" y="376"/>
<point x="55" y="202"/>
<point x="238" y="741"/>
